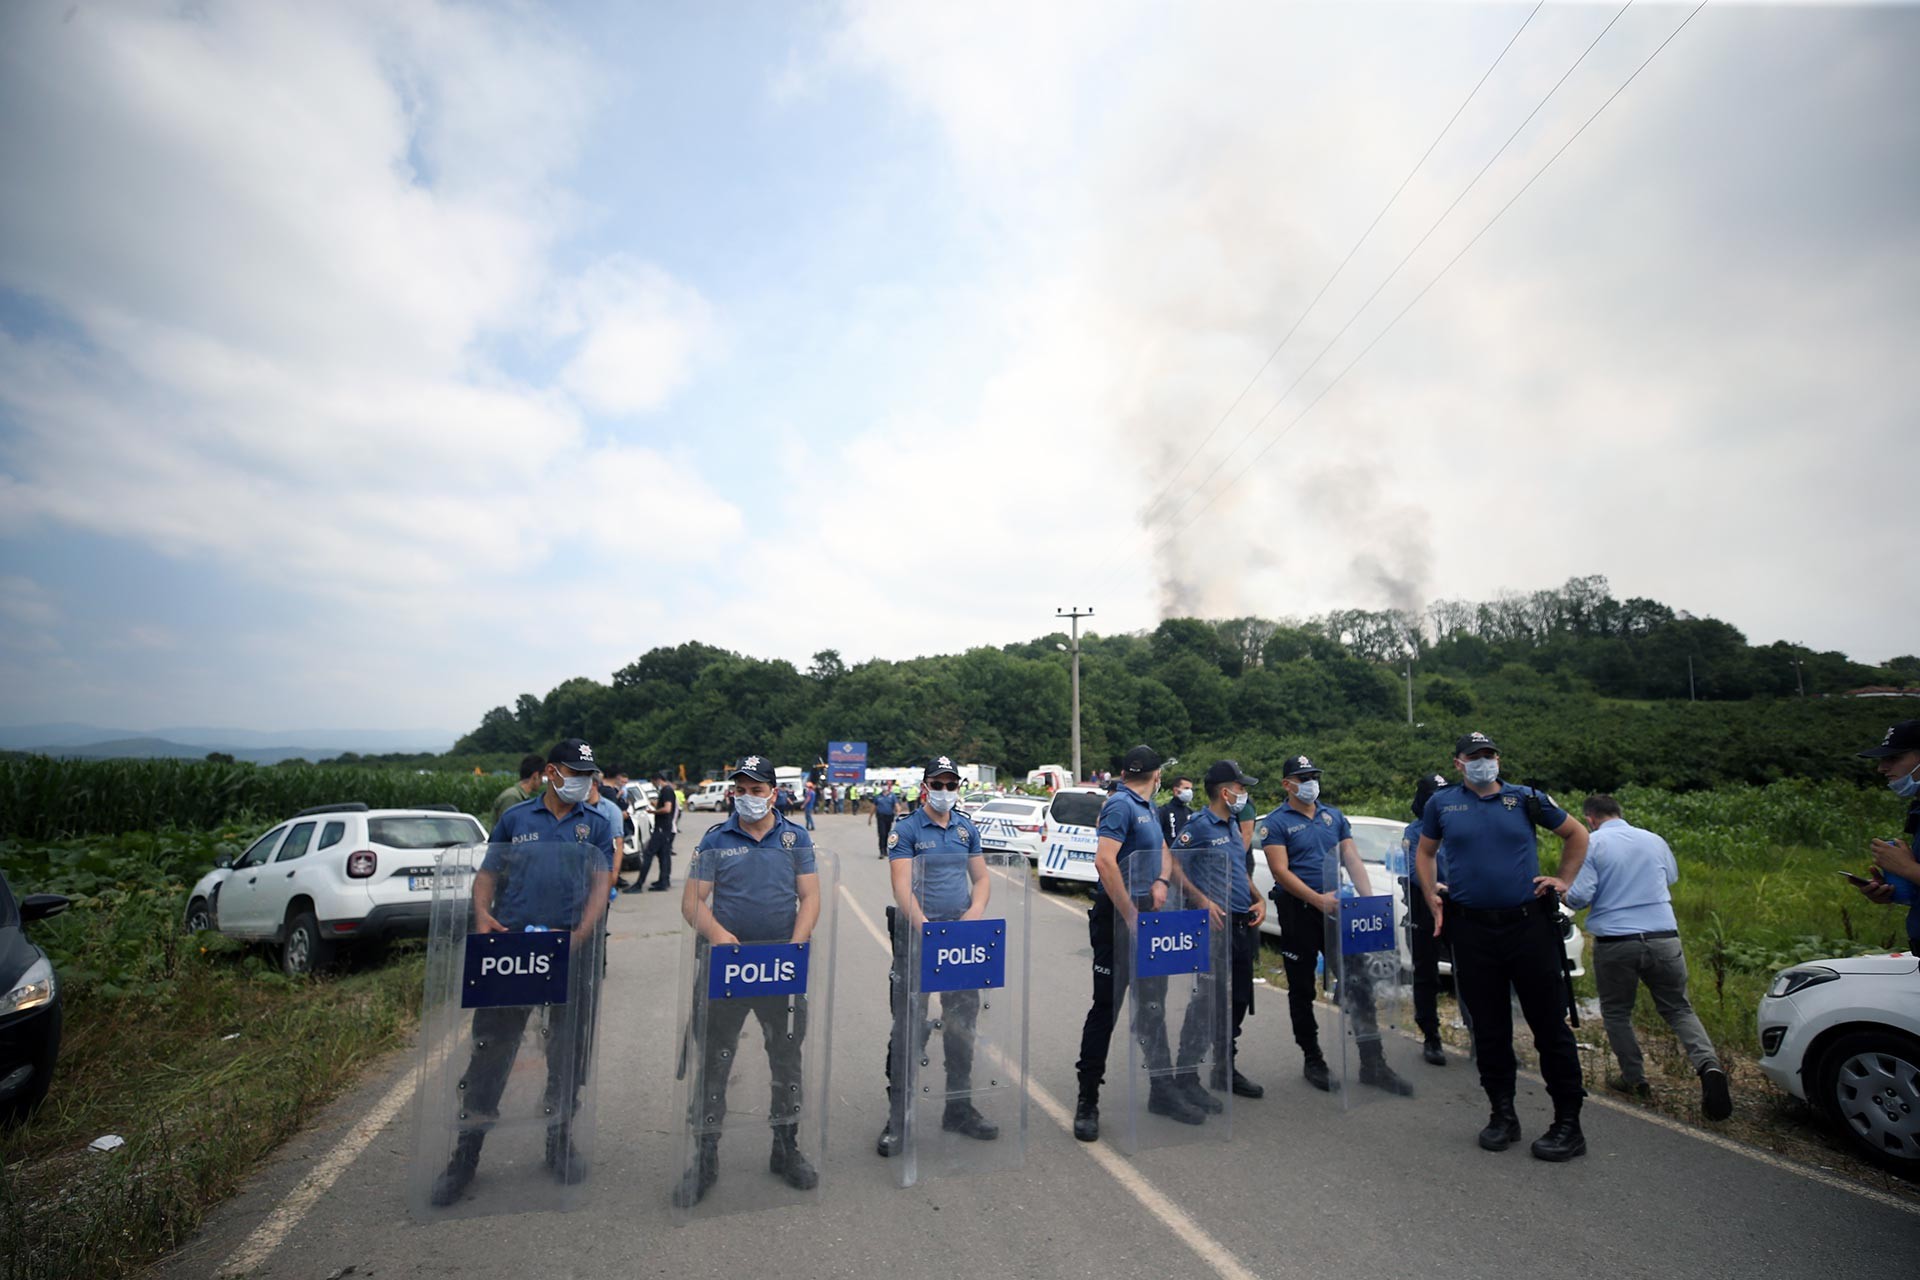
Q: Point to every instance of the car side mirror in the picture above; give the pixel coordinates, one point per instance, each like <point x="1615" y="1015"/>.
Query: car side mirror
<point x="223" y="860"/>
<point x="39" y="906"/>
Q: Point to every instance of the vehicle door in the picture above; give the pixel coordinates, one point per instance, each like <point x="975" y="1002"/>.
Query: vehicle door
<point x="240" y="909"/>
<point x="281" y="879"/>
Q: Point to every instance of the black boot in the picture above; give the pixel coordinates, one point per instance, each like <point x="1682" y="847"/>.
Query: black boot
<point x="701" y="1174"/>
<point x="1086" y="1118"/>
<point x="1503" y="1126"/>
<point x="563" y="1158"/>
<point x="964" y="1118"/>
<point x="1432" y="1052"/>
<point x="1318" y="1076"/>
<point x="459" y="1171"/>
<point x="1716" y="1101"/>
<point x="1163" y="1099"/>
<point x="1563" y="1140"/>
<point x="1196" y="1095"/>
<point x="1375" y="1071"/>
<point x="786" y="1160"/>
<point x="1239" y="1084"/>
<point x="888" y="1144"/>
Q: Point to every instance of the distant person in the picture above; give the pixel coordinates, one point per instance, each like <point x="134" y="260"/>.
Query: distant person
<point x="666" y="814"/>
<point x="1625" y="883"/>
<point x="810" y="803"/>
<point x="1177" y="812"/>
<point x="885" y="805"/>
<point x="525" y="789"/>
<point x="1896" y="872"/>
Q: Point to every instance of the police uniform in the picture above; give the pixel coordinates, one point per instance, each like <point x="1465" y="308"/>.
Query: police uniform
<point x="537" y="892"/>
<point x="943" y="857"/>
<point x="1421" y="941"/>
<point x="885" y="805"/>
<point x="1506" y="944"/>
<point x="1213" y="858"/>
<point x="1175" y="814"/>
<point x="755" y="896"/>
<point x="1902" y="738"/>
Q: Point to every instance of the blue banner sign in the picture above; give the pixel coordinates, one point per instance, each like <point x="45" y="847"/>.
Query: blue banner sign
<point x="963" y="955"/>
<point x="757" y="969"/>
<point x="1171" y="942"/>
<point x="846" y="762"/>
<point x="1366" y="924"/>
<point x="516" y="969"/>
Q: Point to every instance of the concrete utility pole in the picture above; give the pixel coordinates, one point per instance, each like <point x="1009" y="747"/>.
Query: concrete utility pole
<point x="1799" y="681"/>
<point x="1075" y="613"/>
<point x="1409" y="690"/>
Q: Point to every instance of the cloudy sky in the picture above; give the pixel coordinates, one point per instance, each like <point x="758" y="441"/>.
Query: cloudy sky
<point x="369" y="364"/>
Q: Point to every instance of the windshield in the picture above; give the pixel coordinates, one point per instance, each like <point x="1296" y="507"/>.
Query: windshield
<point x="423" y="832"/>
<point x="1077" y="808"/>
<point x="1011" y="806"/>
<point x="1374" y="842"/>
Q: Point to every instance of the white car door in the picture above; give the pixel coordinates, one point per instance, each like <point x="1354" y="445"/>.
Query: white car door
<point x="280" y="879"/>
<point x="240" y="910"/>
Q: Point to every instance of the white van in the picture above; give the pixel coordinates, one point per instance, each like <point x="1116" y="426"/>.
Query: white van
<point x="711" y="795"/>
<point x="1067" y="837"/>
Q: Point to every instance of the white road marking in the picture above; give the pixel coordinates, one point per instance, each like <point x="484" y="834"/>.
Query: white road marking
<point x="267" y="1236"/>
<point x="1151" y="1198"/>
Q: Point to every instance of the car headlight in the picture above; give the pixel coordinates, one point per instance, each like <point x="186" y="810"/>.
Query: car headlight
<point x="1788" y="981"/>
<point x="35" y="988"/>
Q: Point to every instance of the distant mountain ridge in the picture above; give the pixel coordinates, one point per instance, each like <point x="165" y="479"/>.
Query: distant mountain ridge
<point x="92" y="742"/>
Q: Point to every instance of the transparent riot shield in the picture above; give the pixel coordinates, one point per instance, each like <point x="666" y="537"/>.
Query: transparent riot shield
<point x="1179" y="1022"/>
<point x="958" y="1068"/>
<point x="755" y="1023"/>
<point x="504" y="1100"/>
<point x="1373" y="1000"/>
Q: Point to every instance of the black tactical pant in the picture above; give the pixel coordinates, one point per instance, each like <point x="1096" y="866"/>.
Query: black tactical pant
<point x="959" y="1014"/>
<point x="1426" y="960"/>
<point x="660" y="846"/>
<point x="1498" y="955"/>
<point x="884" y="822"/>
<point x="566" y="1038"/>
<point x="1198" y="1029"/>
<point x="1303" y="940"/>
<point x="1112" y="971"/>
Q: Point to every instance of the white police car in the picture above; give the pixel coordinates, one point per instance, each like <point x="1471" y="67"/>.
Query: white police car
<point x="334" y="874"/>
<point x="1012" y="823"/>
<point x="1069" y="835"/>
<point x="1845" y="1036"/>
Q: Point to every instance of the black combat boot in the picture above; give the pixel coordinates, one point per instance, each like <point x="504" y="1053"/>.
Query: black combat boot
<point x="1086" y="1117"/>
<point x="563" y="1158"/>
<point x="963" y="1118"/>
<point x="1375" y="1071"/>
<point x="1163" y="1099"/>
<point x="1716" y="1101"/>
<point x="786" y="1160"/>
<point x="701" y="1174"/>
<point x="1563" y="1140"/>
<point x="1315" y="1070"/>
<point x="1239" y="1084"/>
<point x="1503" y="1125"/>
<point x="459" y="1171"/>
<point x="1432" y="1052"/>
<point x="1188" y="1083"/>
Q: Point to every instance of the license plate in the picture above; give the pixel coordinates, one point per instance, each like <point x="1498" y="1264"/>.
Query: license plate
<point x="419" y="882"/>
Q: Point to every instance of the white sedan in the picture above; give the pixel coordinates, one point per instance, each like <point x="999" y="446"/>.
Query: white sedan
<point x="1012" y="823"/>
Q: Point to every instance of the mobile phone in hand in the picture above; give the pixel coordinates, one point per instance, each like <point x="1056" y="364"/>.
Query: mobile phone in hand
<point x="1859" y="882"/>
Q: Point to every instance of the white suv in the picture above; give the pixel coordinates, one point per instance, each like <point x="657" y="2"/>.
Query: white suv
<point x="333" y="874"/>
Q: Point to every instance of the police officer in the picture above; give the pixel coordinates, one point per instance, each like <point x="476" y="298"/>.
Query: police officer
<point x="944" y="845"/>
<point x="1306" y="844"/>
<point x="1135" y="869"/>
<point x="1211" y="859"/>
<point x="886" y="803"/>
<point x="1420" y="940"/>
<point x="753" y="879"/>
<point x="1502" y="919"/>
<point x="538" y="896"/>
<point x="1177" y="812"/>
<point x="1896" y="872"/>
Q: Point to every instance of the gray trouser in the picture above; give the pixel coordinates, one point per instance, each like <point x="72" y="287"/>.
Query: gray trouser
<point x="1620" y="965"/>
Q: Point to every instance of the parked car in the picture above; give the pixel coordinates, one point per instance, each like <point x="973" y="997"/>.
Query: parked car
<point x="711" y="795"/>
<point x="30" y="1010"/>
<point x="972" y="802"/>
<point x="1068" y="838"/>
<point x="1012" y="823"/>
<point x="331" y="875"/>
<point x="640" y="801"/>
<point x="1845" y="1036"/>
<point x="1378" y="840"/>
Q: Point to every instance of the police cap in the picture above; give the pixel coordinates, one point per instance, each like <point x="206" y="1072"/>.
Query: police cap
<point x="1140" y="760"/>
<point x="1299" y="767"/>
<point x="1472" y="742"/>
<point x="574" y="754"/>
<point x="1423" y="792"/>
<point x="1901" y="738"/>
<point x="1228" y="771"/>
<point x="754" y="769"/>
<point x="939" y="765"/>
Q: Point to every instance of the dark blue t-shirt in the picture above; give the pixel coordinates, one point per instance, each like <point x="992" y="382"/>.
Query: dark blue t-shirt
<point x="1492" y="853"/>
<point x="885" y="802"/>
<point x="1130" y="820"/>
<point x="756" y="891"/>
<point x="544" y="865"/>
<point x="1404" y="863"/>
<point x="940" y="856"/>
<point x="1312" y="843"/>
<point x="1212" y="856"/>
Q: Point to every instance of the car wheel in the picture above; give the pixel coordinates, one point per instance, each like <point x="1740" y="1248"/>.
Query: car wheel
<point x="304" y="952"/>
<point x="199" y="916"/>
<point x="1869" y="1082"/>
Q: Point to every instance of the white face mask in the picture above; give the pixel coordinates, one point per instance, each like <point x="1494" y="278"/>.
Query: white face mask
<point x="573" y="790"/>
<point x="1482" y="771"/>
<point x="1184" y="795"/>
<point x="1309" y="791"/>
<point x="1234" y="800"/>
<point x="751" y="808"/>
<point x="942" y="801"/>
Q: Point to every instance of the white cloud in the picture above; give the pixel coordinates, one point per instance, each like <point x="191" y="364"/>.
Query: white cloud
<point x="639" y="333"/>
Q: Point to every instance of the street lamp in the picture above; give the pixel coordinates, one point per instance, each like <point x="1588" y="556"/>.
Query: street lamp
<point x="1799" y="681"/>
<point x="1075" y="613"/>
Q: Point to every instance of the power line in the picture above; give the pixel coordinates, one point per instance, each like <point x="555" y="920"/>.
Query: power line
<point x="1408" y="256"/>
<point x="1302" y="318"/>
<point x="1511" y="200"/>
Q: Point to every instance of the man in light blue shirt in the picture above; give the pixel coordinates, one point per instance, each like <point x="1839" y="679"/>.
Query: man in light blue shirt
<point x="1625" y="884"/>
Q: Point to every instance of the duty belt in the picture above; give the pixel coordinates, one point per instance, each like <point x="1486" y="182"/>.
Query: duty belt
<point x="1649" y="936"/>
<point x="1501" y="915"/>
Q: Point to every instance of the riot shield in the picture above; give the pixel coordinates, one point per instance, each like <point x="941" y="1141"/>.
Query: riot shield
<point x="1179" y="1022"/>
<point x="958" y="1071"/>
<point x="504" y="1097"/>
<point x="1373" y="1001"/>
<point x="755" y="1019"/>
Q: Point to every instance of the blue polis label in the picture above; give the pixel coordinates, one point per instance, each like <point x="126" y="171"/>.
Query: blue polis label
<point x="963" y="955"/>
<point x="1170" y="942"/>
<point x="1366" y="924"/>
<point x="747" y="969"/>
<point x="515" y="969"/>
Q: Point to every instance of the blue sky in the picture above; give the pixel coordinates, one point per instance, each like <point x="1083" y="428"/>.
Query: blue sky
<point x="367" y="365"/>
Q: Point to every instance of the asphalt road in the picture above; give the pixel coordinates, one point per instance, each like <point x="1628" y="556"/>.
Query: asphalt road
<point x="1395" y="1188"/>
